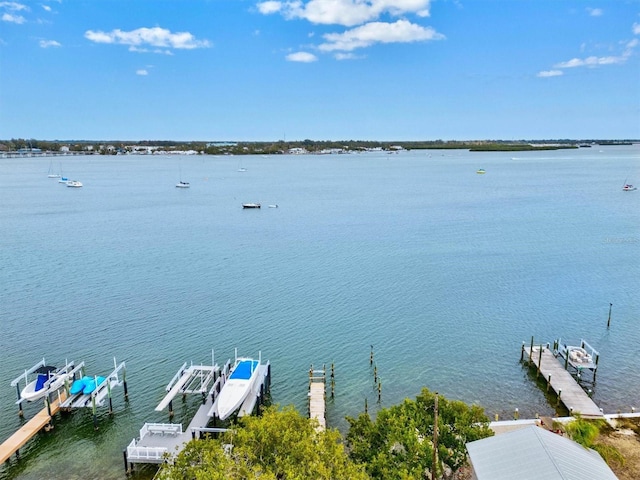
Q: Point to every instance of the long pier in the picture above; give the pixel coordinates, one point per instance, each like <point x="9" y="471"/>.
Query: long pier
<point x="569" y="392"/>
<point x="41" y="420"/>
<point x="317" y="396"/>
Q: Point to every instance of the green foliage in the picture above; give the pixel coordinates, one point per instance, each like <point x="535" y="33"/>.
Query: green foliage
<point x="611" y="454"/>
<point x="584" y="432"/>
<point x="399" y="444"/>
<point x="281" y="444"/>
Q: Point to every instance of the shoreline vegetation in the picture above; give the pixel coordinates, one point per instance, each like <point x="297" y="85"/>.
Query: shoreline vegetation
<point x="113" y="147"/>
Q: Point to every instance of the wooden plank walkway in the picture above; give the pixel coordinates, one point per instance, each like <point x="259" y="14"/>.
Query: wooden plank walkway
<point x="27" y="431"/>
<point x="571" y="393"/>
<point x="317" y="391"/>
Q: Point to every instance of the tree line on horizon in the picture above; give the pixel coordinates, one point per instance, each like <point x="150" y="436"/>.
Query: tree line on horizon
<point x="311" y="146"/>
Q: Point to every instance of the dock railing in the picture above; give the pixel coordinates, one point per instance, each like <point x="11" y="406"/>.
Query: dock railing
<point x="145" y="454"/>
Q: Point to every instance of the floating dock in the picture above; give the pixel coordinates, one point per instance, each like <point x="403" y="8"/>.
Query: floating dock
<point x="159" y="442"/>
<point x="317" y="396"/>
<point x="569" y="392"/>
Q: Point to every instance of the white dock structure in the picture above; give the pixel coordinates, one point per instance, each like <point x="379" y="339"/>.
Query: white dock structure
<point x="160" y="442"/>
<point x="317" y="396"/>
<point x="58" y="399"/>
<point x="569" y="392"/>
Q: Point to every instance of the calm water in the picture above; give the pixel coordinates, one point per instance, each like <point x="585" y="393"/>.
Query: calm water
<point x="445" y="272"/>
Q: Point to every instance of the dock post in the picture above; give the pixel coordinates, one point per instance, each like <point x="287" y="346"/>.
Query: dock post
<point x="375" y="374"/>
<point x="95" y="415"/>
<point x="379" y="390"/>
<point x="126" y="462"/>
<point x="47" y="403"/>
<point x="516" y="415"/>
<point x="548" y="382"/>
<point x="566" y="359"/>
<point x="371" y="356"/>
<point x="366" y="408"/>
<point x="522" y="352"/>
<point x="109" y="395"/>
<point x="333" y="381"/>
<point x="531" y="351"/>
<point x="20" y="411"/>
<point x="595" y="370"/>
<point x="559" y="395"/>
<point x="124" y="383"/>
<point x="539" y="361"/>
<point x="171" y="409"/>
<point x="609" y="319"/>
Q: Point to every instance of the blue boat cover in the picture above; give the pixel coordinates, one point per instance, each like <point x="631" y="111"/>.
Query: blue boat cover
<point x="78" y="385"/>
<point x="91" y="385"/>
<point x="244" y="369"/>
<point x="40" y="381"/>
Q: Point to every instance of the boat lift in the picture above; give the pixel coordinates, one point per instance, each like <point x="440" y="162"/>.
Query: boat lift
<point x="66" y="370"/>
<point x="97" y="397"/>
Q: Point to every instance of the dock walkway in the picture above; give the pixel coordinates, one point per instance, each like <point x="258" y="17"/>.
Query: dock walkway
<point x="317" y="394"/>
<point x="570" y="393"/>
<point x="28" y="431"/>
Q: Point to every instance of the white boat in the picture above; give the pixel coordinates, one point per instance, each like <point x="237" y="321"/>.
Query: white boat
<point x="74" y="183"/>
<point x="250" y="205"/>
<point x="182" y="184"/>
<point x="628" y="187"/>
<point x="237" y="387"/>
<point x="48" y="379"/>
<point x="51" y="174"/>
<point x="481" y="171"/>
<point x="579" y="357"/>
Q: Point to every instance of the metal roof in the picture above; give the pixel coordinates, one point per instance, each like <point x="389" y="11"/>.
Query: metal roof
<point x="535" y="453"/>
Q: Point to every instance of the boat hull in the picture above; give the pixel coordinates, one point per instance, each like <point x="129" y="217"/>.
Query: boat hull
<point x="237" y="388"/>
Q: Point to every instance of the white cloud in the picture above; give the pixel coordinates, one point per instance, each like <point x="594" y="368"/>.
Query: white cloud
<point x="142" y="72"/>
<point x="591" y="61"/>
<point x="595" y="12"/>
<point x="14" y="6"/>
<point x="47" y="8"/>
<point x="636" y="28"/>
<point x="267" y="8"/>
<point x="155" y="37"/>
<point x="347" y="56"/>
<point x="344" y="12"/>
<point x="401" y="31"/>
<point x="550" y="73"/>
<point x="8" y="17"/>
<point x="49" y="43"/>
<point x="304" y="57"/>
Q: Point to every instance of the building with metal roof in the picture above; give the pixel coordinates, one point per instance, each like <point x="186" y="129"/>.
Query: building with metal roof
<point x="534" y="453"/>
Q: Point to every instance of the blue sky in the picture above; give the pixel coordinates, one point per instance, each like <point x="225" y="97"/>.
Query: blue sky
<point x="319" y="69"/>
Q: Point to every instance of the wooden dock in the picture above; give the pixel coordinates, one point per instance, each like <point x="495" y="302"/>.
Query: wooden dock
<point x="569" y="392"/>
<point x="317" y="394"/>
<point x="28" y="430"/>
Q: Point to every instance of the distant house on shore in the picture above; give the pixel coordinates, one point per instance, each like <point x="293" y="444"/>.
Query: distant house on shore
<point x="535" y="453"/>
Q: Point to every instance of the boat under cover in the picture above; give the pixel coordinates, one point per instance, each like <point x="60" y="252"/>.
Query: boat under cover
<point x="237" y="387"/>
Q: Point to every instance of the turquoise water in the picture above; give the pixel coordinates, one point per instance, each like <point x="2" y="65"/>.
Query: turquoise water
<point x="444" y="271"/>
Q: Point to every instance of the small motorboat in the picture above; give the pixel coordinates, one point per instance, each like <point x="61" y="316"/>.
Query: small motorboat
<point x="628" y="187"/>
<point x="273" y="206"/>
<point x="63" y="180"/>
<point x="48" y="379"/>
<point x="250" y="205"/>
<point x="481" y="171"/>
<point x="182" y="184"/>
<point x="237" y="387"/>
<point x="74" y="184"/>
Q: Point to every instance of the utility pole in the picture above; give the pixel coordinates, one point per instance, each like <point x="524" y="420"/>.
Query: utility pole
<point x="434" y="467"/>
